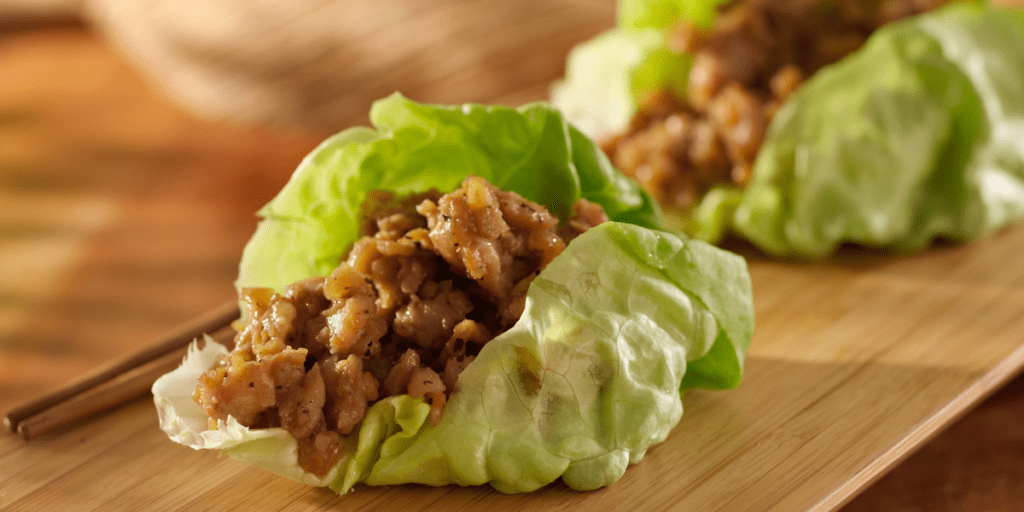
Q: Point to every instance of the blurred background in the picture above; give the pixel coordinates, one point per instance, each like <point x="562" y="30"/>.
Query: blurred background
<point x="137" y="138"/>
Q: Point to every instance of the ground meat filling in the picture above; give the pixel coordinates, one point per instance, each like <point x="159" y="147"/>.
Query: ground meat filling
<point x="434" y="279"/>
<point x="754" y="57"/>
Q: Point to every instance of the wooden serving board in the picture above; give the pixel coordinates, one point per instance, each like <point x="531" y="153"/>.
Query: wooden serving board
<point x="855" y="362"/>
<point x="120" y="217"/>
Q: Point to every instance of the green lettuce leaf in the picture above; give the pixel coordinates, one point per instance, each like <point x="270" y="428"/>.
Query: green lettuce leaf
<point x="607" y="76"/>
<point x="918" y="136"/>
<point x="589" y="377"/>
<point x="915" y="137"/>
<point x="598" y="94"/>
<point x="661" y="14"/>
<point x="309" y="225"/>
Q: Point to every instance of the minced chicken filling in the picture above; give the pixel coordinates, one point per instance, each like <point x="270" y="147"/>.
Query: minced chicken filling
<point x="434" y="279"/>
<point x="754" y="57"/>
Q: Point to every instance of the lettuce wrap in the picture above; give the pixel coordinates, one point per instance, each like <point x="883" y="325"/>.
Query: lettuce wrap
<point x="916" y="136"/>
<point x="614" y="329"/>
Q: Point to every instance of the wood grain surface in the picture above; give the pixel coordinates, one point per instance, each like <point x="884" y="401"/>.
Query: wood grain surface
<point x="121" y="217"/>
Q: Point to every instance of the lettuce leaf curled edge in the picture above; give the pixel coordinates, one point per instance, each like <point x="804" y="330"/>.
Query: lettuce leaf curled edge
<point x="917" y="136"/>
<point x="614" y="328"/>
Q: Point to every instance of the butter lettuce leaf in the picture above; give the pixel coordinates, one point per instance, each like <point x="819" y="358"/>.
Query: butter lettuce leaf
<point x="589" y="377"/>
<point x="607" y="76"/>
<point x="915" y="137"/>
<point x="661" y="14"/>
<point x="918" y="136"/>
<point x="414" y="147"/>
<point x="600" y="92"/>
<point x="614" y="329"/>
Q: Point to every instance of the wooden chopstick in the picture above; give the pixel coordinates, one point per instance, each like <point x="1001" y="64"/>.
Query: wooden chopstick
<point x="122" y="388"/>
<point x="169" y="344"/>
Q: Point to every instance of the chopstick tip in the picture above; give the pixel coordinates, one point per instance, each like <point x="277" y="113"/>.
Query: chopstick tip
<point x="28" y="421"/>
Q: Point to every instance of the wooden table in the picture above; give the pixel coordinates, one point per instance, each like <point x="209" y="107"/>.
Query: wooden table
<point x="121" y="217"/>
